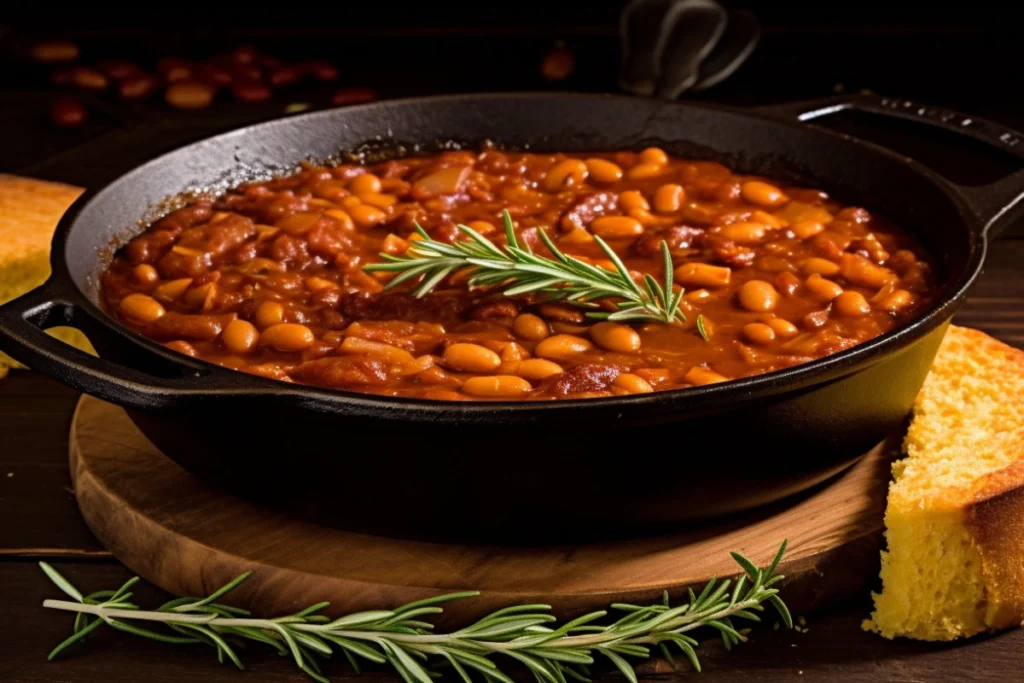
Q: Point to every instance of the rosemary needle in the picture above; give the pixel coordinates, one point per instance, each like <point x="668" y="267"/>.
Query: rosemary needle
<point x="517" y="270"/>
<point x="400" y="637"/>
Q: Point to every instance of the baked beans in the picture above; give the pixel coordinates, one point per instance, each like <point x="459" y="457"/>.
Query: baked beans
<point x="268" y="277"/>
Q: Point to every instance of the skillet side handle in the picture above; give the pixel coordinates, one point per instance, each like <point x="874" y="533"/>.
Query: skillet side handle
<point x="995" y="204"/>
<point x="22" y="325"/>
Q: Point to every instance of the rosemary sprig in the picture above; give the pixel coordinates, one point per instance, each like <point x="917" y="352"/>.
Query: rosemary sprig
<point x="519" y="271"/>
<point x="399" y="637"/>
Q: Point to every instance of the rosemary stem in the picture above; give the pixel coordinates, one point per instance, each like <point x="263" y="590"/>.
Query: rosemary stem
<point x="681" y="624"/>
<point x="399" y="636"/>
<point x="139" y="615"/>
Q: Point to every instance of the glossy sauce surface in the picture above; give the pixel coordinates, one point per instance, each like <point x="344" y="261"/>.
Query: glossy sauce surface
<point x="268" y="278"/>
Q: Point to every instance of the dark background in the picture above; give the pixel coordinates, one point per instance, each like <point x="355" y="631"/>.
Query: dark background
<point x="964" y="57"/>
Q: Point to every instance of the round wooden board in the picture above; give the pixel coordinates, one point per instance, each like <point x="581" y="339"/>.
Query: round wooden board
<point x="189" y="539"/>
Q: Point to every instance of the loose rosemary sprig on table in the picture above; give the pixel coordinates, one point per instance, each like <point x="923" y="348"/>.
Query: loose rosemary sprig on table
<point x="399" y="637"/>
<point x="517" y="270"/>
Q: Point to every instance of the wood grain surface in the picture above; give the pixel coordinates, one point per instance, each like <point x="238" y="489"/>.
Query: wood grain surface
<point x="189" y="539"/>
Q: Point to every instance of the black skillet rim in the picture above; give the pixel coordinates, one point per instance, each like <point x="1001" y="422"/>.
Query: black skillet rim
<point x="698" y="399"/>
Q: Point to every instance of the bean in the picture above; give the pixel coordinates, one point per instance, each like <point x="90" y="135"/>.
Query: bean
<point x="763" y="194"/>
<point x="654" y="155"/>
<point x="145" y="274"/>
<point x="394" y="245"/>
<point x="174" y="69"/>
<point x="604" y="171"/>
<point x="759" y="333"/>
<point x="703" y="275"/>
<point x="298" y="223"/>
<point x="633" y="199"/>
<point x="483" y="227"/>
<point x="366" y="216"/>
<point x="644" y="170"/>
<point x="897" y="301"/>
<point x="252" y="92"/>
<point x="558" y="64"/>
<point x="758" y="296"/>
<point x="654" y="376"/>
<point x="633" y="384"/>
<point x="745" y="232"/>
<point x="88" y="79"/>
<point x="536" y="369"/>
<point x="415" y="367"/>
<point x="530" y="327"/>
<point x="240" y="336"/>
<point x="365" y="347"/>
<point x="562" y="347"/>
<point x="316" y="284"/>
<point x="367" y="182"/>
<point x="54" y="51"/>
<point x="269" y="313"/>
<point x="615" y="337"/>
<point x="288" y="337"/>
<point x="284" y="76"/>
<point x="803" y="230"/>
<point x="782" y="327"/>
<point x="137" y="86"/>
<point x="347" y="96"/>
<point x="700" y="376"/>
<point x="823" y="290"/>
<point x="186" y="95"/>
<point x="342" y="217"/>
<point x="669" y="198"/>
<point x="471" y="358"/>
<point x="182" y="346"/>
<point x="612" y="227"/>
<point x="787" y="283"/>
<point x="141" y="308"/>
<point x="496" y="386"/>
<point x="860" y="271"/>
<point x="851" y="304"/>
<point x="561" y="313"/>
<point x="380" y="200"/>
<point x="820" y="266"/>
<point x="68" y="112"/>
<point x="513" y="352"/>
<point x="173" y="289"/>
<point x="567" y="173"/>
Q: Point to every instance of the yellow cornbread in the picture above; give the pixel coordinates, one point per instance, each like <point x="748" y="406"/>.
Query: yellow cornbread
<point x="955" y="517"/>
<point x="29" y="211"/>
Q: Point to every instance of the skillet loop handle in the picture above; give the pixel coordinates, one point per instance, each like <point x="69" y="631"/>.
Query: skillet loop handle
<point x="995" y="204"/>
<point x="22" y="325"/>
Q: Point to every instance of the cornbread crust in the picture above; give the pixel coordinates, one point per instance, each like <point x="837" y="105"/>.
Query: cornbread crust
<point x="955" y="562"/>
<point x="29" y="212"/>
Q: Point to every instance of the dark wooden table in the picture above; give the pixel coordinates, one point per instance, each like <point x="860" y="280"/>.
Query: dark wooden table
<point x="38" y="516"/>
<point x="39" y="520"/>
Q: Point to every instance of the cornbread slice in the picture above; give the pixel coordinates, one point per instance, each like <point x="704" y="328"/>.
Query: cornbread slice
<point x="955" y="516"/>
<point x="29" y="211"/>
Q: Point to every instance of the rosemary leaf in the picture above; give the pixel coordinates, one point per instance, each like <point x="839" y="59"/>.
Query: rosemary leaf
<point x="523" y="633"/>
<point x="516" y="270"/>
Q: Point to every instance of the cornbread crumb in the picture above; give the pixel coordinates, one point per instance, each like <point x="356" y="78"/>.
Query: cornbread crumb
<point x="29" y="211"/>
<point x="955" y="516"/>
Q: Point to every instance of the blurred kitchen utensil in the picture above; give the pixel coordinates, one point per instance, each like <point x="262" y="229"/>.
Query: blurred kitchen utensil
<point x="671" y="46"/>
<point x="742" y="32"/>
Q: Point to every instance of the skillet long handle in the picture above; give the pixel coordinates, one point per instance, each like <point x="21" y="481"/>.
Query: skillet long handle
<point x="171" y="376"/>
<point x="995" y="203"/>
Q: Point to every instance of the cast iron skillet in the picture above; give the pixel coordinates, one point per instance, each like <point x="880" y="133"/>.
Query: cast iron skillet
<point x="529" y="470"/>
